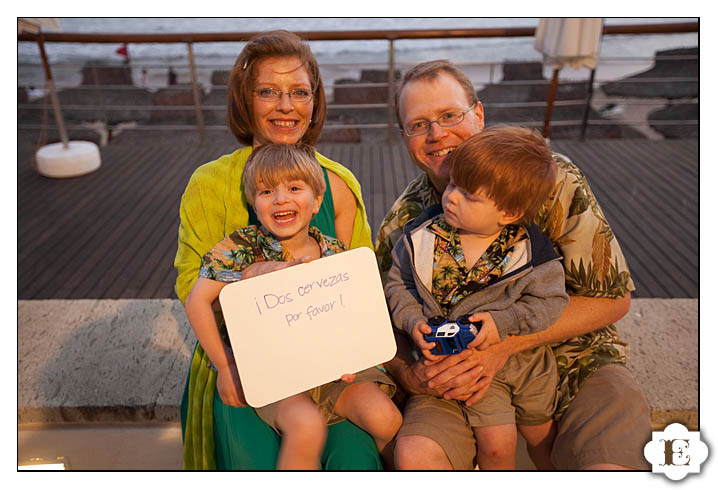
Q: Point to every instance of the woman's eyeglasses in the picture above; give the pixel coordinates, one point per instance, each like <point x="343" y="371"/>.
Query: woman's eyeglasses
<point x="273" y="95"/>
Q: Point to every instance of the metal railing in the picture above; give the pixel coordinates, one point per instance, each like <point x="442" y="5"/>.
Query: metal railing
<point x="199" y="109"/>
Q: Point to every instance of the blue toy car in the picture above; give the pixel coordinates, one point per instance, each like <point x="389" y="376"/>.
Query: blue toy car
<point x="451" y="337"/>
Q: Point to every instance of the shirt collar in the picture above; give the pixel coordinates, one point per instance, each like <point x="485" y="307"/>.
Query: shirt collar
<point x="275" y="246"/>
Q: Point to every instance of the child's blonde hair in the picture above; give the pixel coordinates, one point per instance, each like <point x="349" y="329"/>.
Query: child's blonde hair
<point x="514" y="166"/>
<point x="275" y="163"/>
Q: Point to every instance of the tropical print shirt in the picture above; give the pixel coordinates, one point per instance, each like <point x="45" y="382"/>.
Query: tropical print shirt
<point x="234" y="253"/>
<point x="451" y="280"/>
<point x="592" y="259"/>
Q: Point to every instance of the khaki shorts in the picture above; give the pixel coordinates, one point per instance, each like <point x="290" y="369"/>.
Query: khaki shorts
<point x="523" y="392"/>
<point x="607" y="422"/>
<point x="326" y="396"/>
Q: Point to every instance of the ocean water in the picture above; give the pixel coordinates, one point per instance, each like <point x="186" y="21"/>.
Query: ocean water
<point x="335" y="57"/>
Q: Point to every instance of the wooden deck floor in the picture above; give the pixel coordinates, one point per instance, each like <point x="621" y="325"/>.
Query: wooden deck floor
<point x="113" y="233"/>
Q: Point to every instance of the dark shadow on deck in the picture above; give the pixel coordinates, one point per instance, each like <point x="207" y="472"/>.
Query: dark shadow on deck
<point x="113" y="233"/>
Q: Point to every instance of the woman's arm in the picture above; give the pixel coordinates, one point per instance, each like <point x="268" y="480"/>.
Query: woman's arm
<point x="345" y="208"/>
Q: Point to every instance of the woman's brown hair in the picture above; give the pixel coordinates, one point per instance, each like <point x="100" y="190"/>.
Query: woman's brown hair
<point x="241" y="83"/>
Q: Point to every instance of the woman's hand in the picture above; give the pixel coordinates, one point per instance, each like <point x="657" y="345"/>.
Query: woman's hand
<point x="229" y="386"/>
<point x="260" y="268"/>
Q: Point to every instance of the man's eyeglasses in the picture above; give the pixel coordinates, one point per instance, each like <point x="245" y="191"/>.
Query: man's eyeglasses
<point x="447" y="119"/>
<point x="295" y="95"/>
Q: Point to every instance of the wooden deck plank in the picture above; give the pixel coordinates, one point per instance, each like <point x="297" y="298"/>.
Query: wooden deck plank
<point x="138" y="254"/>
<point x="654" y="217"/>
<point x="160" y="280"/>
<point x="661" y="251"/>
<point x="128" y="207"/>
<point x="113" y="233"/>
<point x="662" y="193"/>
<point x="42" y="195"/>
<point x="158" y="251"/>
<point x="81" y="230"/>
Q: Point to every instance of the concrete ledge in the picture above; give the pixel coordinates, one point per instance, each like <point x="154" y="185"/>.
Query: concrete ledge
<point x="104" y="361"/>
<point x="662" y="336"/>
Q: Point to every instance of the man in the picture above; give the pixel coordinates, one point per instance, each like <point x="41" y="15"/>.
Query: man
<point x="603" y="420"/>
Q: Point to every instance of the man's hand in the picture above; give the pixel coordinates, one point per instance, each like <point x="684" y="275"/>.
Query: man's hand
<point x="488" y="334"/>
<point x="467" y="375"/>
<point x="260" y="268"/>
<point x="229" y="387"/>
<point x="463" y="376"/>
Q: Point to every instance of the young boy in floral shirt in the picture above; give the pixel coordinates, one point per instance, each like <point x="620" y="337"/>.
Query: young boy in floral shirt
<point x="483" y="257"/>
<point x="285" y="186"/>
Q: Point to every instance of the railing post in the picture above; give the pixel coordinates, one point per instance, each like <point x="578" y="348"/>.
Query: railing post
<point x="195" y="94"/>
<point x="549" y="103"/>
<point x="390" y="94"/>
<point x="589" y="96"/>
<point x="101" y="94"/>
<point x="53" y="95"/>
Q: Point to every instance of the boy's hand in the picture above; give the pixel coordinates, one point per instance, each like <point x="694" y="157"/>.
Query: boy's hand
<point x="488" y="334"/>
<point x="229" y="387"/>
<point x="348" y="378"/>
<point x="417" y="335"/>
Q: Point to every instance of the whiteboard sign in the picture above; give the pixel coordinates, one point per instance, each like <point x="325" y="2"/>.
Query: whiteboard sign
<point x="307" y="325"/>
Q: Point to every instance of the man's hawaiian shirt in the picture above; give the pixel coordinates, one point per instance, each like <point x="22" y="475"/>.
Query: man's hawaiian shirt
<point x="592" y="259"/>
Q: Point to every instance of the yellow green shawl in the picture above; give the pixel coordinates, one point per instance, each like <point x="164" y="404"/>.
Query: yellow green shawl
<point x="212" y="207"/>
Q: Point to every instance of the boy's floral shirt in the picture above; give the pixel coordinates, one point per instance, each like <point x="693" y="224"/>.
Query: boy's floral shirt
<point x="451" y="280"/>
<point x="592" y="260"/>
<point x="234" y="253"/>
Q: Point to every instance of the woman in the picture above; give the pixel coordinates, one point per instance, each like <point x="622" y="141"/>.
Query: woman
<point x="275" y="95"/>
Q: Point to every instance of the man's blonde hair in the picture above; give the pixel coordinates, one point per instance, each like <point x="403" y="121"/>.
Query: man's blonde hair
<point x="275" y="163"/>
<point x="430" y="70"/>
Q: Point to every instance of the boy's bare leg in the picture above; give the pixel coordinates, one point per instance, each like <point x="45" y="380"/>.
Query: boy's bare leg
<point x="365" y="405"/>
<point x="496" y="447"/>
<point x="539" y="441"/>
<point x="415" y="452"/>
<point x="304" y="432"/>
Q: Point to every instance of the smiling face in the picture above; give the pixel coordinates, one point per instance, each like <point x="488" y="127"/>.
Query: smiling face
<point x="474" y="212"/>
<point x="286" y="208"/>
<point x="284" y="120"/>
<point x="428" y="99"/>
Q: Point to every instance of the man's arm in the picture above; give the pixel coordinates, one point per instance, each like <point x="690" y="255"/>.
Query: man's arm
<point x="456" y="375"/>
